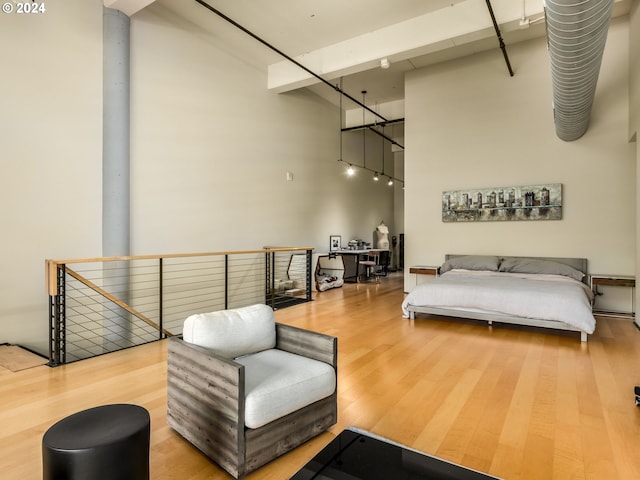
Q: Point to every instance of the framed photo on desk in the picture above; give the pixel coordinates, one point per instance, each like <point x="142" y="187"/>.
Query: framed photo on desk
<point x="335" y="243"/>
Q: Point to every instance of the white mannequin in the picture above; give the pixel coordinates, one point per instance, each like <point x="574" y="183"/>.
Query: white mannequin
<point x="382" y="232"/>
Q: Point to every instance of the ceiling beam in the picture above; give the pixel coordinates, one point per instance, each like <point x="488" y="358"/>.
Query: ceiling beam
<point x="128" y="7"/>
<point x="455" y="25"/>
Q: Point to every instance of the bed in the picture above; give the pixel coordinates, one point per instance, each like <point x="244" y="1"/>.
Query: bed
<point x="535" y="291"/>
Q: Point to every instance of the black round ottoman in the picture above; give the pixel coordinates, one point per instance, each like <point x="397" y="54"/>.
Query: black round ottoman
<point x="110" y="442"/>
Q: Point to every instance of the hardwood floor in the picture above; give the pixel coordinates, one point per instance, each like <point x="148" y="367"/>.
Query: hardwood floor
<point x="515" y="402"/>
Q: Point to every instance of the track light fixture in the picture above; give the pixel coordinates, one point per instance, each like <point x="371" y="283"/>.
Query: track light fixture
<point x="351" y="169"/>
<point x="364" y="134"/>
<point x="340" y="117"/>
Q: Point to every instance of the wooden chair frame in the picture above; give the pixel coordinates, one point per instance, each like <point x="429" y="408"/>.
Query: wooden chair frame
<point x="206" y="403"/>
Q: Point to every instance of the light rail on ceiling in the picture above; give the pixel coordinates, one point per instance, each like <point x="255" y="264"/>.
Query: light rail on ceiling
<point x="500" y="40"/>
<point x="372" y="127"/>
<point x="292" y="60"/>
<point x="319" y="77"/>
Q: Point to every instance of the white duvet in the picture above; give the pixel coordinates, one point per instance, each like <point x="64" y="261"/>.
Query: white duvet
<point x="545" y="297"/>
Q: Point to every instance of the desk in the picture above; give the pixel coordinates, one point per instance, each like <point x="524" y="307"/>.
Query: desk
<point x="351" y="259"/>
<point x="329" y="266"/>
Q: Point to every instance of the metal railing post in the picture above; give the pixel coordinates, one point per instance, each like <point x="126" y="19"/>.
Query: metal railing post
<point x="57" y="320"/>
<point x="267" y="290"/>
<point x="272" y="279"/>
<point x="226" y="281"/>
<point x="309" y="265"/>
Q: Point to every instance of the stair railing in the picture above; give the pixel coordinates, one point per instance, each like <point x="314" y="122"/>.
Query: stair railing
<point x="101" y="305"/>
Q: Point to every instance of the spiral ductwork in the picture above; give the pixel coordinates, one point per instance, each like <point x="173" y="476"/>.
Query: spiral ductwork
<point x="576" y="36"/>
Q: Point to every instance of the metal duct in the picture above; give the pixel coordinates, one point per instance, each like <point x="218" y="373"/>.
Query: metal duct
<point x="576" y="36"/>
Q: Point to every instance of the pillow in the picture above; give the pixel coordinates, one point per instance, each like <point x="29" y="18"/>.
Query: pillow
<point x="471" y="262"/>
<point x="232" y="333"/>
<point x="533" y="265"/>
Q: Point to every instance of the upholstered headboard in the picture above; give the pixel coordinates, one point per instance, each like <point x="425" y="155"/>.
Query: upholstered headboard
<point x="577" y="263"/>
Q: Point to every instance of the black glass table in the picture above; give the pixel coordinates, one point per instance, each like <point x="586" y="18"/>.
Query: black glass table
<point x="355" y="454"/>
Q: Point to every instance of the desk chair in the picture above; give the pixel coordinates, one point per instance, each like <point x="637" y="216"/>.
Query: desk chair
<point x="371" y="264"/>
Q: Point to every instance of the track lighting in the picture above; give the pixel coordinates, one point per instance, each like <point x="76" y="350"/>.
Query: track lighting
<point x="364" y="134"/>
<point x="351" y="169"/>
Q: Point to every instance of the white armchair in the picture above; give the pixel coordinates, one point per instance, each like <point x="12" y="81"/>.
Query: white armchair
<point x="244" y="389"/>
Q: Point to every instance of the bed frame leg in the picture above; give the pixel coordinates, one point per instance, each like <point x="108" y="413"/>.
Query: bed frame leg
<point x="583" y="337"/>
<point x="412" y="315"/>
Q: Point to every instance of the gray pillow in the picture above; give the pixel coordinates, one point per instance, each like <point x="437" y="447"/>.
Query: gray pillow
<point x="472" y="262"/>
<point x="533" y="265"/>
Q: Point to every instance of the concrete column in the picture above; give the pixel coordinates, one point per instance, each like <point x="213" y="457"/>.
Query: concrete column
<point x="115" y="142"/>
<point x="115" y="169"/>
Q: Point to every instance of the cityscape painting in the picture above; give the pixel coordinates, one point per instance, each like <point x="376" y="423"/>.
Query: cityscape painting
<point x="531" y="202"/>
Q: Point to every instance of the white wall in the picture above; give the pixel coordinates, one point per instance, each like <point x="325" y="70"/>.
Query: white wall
<point x="211" y="148"/>
<point x="634" y="69"/>
<point x="470" y="125"/>
<point x="634" y="114"/>
<point x="50" y="135"/>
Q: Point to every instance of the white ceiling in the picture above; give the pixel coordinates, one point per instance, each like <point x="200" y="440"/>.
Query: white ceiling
<point x="347" y="38"/>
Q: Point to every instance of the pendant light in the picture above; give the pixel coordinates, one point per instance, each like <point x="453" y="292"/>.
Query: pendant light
<point x="364" y="134"/>
<point x="382" y="138"/>
<point x="340" y="119"/>
<point x="350" y="170"/>
<point x="389" y="178"/>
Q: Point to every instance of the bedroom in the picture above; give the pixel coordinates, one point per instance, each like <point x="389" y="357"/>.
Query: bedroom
<point x="489" y="130"/>
<point x="469" y="125"/>
<point x="515" y="402"/>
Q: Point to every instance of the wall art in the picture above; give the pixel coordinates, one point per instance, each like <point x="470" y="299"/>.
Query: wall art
<point x="530" y="202"/>
<point x="335" y="243"/>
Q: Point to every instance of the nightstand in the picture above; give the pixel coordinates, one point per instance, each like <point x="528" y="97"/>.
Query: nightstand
<point x="421" y="273"/>
<point x="424" y="270"/>
<point x="613" y="281"/>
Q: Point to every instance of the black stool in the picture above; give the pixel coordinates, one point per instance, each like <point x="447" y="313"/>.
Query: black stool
<point x="110" y="442"/>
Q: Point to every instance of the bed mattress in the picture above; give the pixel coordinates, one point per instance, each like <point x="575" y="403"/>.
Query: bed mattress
<point x="534" y="296"/>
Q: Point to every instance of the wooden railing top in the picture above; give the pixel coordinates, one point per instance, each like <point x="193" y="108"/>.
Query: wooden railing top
<point x="51" y="266"/>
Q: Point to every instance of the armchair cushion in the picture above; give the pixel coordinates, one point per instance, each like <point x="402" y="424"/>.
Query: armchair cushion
<point x="231" y="333"/>
<point x="278" y="383"/>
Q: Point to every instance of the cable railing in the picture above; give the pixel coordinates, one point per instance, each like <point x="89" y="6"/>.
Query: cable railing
<point x="101" y="305"/>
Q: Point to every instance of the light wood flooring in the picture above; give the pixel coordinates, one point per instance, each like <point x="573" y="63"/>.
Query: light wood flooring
<point x="515" y="402"/>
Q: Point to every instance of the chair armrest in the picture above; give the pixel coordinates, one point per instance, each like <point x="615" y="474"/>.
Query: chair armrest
<point x="205" y="396"/>
<point x="307" y="343"/>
